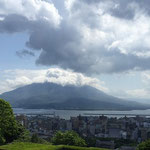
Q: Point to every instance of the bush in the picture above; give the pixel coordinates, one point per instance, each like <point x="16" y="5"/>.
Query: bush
<point x="24" y="135"/>
<point x="144" y="145"/>
<point x="36" y="139"/>
<point x="68" y="138"/>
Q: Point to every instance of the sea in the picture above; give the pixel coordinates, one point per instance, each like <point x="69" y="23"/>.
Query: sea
<point x="66" y="114"/>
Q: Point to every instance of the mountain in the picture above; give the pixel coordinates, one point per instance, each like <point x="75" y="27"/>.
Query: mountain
<point x="50" y="95"/>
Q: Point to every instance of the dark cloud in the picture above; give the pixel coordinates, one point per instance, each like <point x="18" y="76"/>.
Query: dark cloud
<point x="24" y="52"/>
<point x="60" y="46"/>
<point x="118" y="8"/>
<point x="125" y="62"/>
<point x="126" y="8"/>
<point x="63" y="47"/>
<point x="144" y="4"/>
<point x="123" y="9"/>
<point x="14" y="23"/>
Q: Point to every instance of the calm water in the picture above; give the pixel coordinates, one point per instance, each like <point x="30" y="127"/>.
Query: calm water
<point x="66" y="114"/>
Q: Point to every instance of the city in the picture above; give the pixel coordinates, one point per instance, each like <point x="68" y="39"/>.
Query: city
<point x="102" y="128"/>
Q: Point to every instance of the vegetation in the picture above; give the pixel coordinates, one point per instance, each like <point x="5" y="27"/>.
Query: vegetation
<point x="35" y="146"/>
<point x="36" y="139"/>
<point x="10" y="129"/>
<point x="68" y="138"/>
<point x="144" y="145"/>
<point x="91" y="141"/>
<point x="2" y="140"/>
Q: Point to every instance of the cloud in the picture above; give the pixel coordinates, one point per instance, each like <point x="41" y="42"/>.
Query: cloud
<point x="91" y="37"/>
<point x="123" y="9"/>
<point x="138" y="93"/>
<point x="146" y="78"/>
<point x="24" y="52"/>
<point x="17" y="78"/>
<point x="143" y="92"/>
<point x="31" y="9"/>
<point x="14" y="23"/>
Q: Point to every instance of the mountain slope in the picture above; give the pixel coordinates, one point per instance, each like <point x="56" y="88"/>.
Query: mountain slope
<point x="50" y="95"/>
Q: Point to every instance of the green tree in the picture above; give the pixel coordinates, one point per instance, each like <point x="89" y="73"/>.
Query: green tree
<point x="144" y="145"/>
<point x="24" y="135"/>
<point x="36" y="139"/>
<point x="10" y="129"/>
<point x="2" y="140"/>
<point x="68" y="138"/>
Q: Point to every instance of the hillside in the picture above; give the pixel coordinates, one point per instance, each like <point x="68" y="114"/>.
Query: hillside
<point x="29" y="146"/>
<point x="50" y="95"/>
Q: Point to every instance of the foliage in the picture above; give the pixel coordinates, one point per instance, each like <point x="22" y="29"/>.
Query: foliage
<point x="36" y="139"/>
<point x="24" y="135"/>
<point x="66" y="147"/>
<point x="35" y="146"/>
<point x="144" y="145"/>
<point x="8" y="124"/>
<point x="125" y="142"/>
<point x="68" y="138"/>
<point x="10" y="129"/>
<point x="2" y="140"/>
<point x="91" y="141"/>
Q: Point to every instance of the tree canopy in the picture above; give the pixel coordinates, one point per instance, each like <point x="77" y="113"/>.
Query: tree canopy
<point x="2" y="140"/>
<point x="144" y="145"/>
<point x="68" y="138"/>
<point x="9" y="128"/>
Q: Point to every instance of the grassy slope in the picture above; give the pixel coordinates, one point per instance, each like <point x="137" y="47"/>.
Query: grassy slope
<point x="31" y="146"/>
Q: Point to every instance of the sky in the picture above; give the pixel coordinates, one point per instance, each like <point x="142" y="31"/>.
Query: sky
<point x="101" y="43"/>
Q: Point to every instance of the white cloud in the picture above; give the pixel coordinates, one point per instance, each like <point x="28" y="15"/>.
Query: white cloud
<point x="32" y="9"/>
<point x="138" y="93"/>
<point x="144" y="91"/>
<point x="146" y="78"/>
<point x="17" y="78"/>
